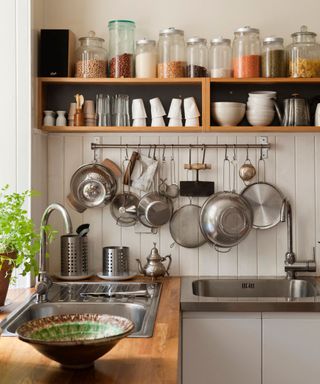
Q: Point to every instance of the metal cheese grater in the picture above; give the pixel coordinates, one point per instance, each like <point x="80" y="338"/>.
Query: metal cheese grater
<point x="115" y="261"/>
<point x="74" y="255"/>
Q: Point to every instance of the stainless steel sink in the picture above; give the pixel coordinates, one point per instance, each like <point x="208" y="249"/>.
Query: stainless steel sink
<point x="247" y="288"/>
<point x="127" y="300"/>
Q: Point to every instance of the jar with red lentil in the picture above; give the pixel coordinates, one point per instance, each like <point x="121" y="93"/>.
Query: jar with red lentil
<point x="246" y="53"/>
<point x="121" y="48"/>
<point x="91" y="57"/>
<point x="171" y="52"/>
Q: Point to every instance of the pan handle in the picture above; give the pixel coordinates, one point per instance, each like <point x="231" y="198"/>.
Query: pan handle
<point x="222" y="250"/>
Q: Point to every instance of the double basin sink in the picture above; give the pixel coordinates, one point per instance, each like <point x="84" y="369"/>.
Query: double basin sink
<point x="250" y="294"/>
<point x="135" y="301"/>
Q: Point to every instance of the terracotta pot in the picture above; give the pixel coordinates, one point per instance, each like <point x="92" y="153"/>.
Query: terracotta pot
<point x="5" y="274"/>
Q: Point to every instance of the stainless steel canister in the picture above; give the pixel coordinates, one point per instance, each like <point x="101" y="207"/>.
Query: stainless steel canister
<point x="74" y="255"/>
<point x="115" y="261"/>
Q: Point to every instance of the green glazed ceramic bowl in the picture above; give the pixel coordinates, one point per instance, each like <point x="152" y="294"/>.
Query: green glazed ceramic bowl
<point x="75" y="341"/>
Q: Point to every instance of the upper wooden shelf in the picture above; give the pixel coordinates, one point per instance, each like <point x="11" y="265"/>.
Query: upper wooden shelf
<point x="122" y="80"/>
<point x="182" y="80"/>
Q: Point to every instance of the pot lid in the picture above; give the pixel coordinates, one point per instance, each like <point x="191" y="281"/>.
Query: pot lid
<point x="154" y="254"/>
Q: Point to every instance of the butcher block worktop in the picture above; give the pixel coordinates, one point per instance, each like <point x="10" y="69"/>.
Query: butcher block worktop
<point x="132" y="360"/>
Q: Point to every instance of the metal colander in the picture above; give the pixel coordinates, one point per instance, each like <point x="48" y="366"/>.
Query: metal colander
<point x="184" y="226"/>
<point x="74" y="255"/>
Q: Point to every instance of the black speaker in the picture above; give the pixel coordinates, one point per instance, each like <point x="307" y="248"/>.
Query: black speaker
<point x="56" y="53"/>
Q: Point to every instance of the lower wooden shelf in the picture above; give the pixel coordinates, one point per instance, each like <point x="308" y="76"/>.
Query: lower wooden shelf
<point x="269" y="128"/>
<point x="86" y="129"/>
<point x="240" y="129"/>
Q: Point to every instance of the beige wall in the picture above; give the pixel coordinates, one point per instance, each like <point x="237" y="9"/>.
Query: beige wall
<point x="207" y="18"/>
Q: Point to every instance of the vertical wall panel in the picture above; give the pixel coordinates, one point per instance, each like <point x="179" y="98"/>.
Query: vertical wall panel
<point x="292" y="165"/>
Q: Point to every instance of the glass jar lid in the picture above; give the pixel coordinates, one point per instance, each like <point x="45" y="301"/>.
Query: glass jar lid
<point x="171" y="31"/>
<point x="91" y="38"/>
<point x="197" y="40"/>
<point x="219" y="40"/>
<point x="303" y="32"/>
<point x="246" y="29"/>
<point x="272" y="39"/>
<point x="114" y="22"/>
<point x="145" y="41"/>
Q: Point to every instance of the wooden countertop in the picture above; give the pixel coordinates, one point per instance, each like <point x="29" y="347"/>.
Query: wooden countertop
<point x="132" y="361"/>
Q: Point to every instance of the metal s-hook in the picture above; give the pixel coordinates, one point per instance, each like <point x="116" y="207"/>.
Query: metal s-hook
<point x="163" y="153"/>
<point x="127" y="154"/>
<point x="204" y="148"/>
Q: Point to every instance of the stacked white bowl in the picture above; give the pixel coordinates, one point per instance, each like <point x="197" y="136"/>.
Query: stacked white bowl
<point x="260" y="107"/>
<point x="227" y="113"/>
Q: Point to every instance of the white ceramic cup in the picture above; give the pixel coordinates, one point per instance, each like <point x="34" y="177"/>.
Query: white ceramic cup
<point x="174" y="122"/>
<point x="138" y="109"/>
<point x="157" y="109"/>
<point x="190" y="108"/>
<point x="158" y="122"/>
<point x="175" y="109"/>
<point x="194" y="122"/>
<point x="141" y="122"/>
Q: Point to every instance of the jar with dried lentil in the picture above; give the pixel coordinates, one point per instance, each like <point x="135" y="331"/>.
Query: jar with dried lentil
<point x="91" y="57"/>
<point x="220" y="58"/>
<point x="304" y="54"/>
<point x="121" y="48"/>
<point x="246" y="53"/>
<point x="273" y="58"/>
<point x="197" y="57"/>
<point x="171" y="53"/>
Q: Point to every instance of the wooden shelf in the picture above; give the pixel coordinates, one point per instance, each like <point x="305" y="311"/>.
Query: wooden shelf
<point x="122" y="80"/>
<point x="269" y="128"/>
<point x="87" y="129"/>
<point x="262" y="80"/>
<point x="188" y="87"/>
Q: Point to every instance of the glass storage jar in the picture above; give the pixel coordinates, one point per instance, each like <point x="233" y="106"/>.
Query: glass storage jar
<point x="197" y="57"/>
<point x="146" y="58"/>
<point x="91" y="57"/>
<point x="273" y="58"/>
<point x="220" y="58"/>
<point x="171" y="51"/>
<point x="304" y="54"/>
<point x="246" y="53"/>
<point x="121" y="48"/>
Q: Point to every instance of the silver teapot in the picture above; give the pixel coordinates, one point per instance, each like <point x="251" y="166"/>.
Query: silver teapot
<point x="296" y="111"/>
<point x="154" y="266"/>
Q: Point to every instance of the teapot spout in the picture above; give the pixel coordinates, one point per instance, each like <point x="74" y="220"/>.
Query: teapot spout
<point x="140" y="269"/>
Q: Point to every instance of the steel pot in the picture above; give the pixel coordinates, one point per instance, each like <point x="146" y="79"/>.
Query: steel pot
<point x="226" y="219"/>
<point x="154" y="210"/>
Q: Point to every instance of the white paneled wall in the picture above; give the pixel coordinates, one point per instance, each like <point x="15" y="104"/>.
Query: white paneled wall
<point x="292" y="165"/>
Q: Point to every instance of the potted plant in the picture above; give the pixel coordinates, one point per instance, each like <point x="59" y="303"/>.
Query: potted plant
<point x="19" y="242"/>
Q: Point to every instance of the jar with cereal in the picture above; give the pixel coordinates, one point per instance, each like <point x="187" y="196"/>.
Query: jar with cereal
<point x="246" y="53"/>
<point x="121" y="48"/>
<point x="304" y="54"/>
<point x="91" y="57"/>
<point x="171" y="52"/>
<point x="220" y="58"/>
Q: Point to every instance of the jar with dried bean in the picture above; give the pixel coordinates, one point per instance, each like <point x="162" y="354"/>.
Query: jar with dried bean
<point x="246" y="53"/>
<point x="197" y="57"/>
<point x="121" y="48"/>
<point x="304" y="54"/>
<point x="171" y="52"/>
<point x="91" y="57"/>
<point x="273" y="58"/>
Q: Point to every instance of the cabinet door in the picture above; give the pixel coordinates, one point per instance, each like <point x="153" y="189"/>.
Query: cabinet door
<point x="221" y="348"/>
<point x="291" y="348"/>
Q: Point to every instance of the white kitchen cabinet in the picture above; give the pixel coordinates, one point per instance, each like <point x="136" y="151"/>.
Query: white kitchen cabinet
<point x="221" y="348"/>
<point x="291" y="348"/>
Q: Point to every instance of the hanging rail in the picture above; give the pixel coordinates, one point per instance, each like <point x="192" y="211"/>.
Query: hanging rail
<point x="142" y="146"/>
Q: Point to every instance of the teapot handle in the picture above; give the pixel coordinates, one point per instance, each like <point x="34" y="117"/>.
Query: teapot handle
<point x="277" y="108"/>
<point x="170" y="260"/>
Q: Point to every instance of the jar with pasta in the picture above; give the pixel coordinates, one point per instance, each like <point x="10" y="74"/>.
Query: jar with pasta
<point x="304" y="54"/>
<point x="171" y="52"/>
<point x="246" y="53"/>
<point x="91" y="57"/>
